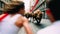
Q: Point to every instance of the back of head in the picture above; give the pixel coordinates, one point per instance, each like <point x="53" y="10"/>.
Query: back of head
<point x="54" y="6"/>
<point x="14" y="7"/>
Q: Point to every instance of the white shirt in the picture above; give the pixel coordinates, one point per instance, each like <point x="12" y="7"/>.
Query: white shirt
<point x="52" y="29"/>
<point x="7" y="26"/>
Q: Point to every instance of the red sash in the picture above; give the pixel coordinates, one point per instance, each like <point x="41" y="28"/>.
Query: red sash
<point x="3" y="17"/>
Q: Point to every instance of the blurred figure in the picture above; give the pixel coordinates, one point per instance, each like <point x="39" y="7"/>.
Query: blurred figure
<point x="28" y="14"/>
<point x="37" y="16"/>
<point x="12" y="20"/>
<point x="53" y="13"/>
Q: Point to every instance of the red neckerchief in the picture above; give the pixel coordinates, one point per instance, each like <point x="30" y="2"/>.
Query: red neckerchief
<point x="48" y="11"/>
<point x="3" y="17"/>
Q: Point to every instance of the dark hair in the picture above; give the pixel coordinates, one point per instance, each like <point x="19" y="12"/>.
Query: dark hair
<point x="54" y="6"/>
<point x="14" y="7"/>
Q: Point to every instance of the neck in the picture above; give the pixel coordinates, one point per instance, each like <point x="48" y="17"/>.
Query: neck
<point x="2" y="15"/>
<point x="12" y="15"/>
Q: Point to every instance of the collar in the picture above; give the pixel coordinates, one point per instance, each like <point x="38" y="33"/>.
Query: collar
<point x="57" y="22"/>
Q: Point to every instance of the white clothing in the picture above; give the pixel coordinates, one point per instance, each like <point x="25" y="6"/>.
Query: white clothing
<point x="7" y="26"/>
<point x="52" y="29"/>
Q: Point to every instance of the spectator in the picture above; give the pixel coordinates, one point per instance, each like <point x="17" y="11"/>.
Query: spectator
<point x="54" y="14"/>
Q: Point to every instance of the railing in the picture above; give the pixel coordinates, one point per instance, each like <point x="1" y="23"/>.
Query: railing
<point x="40" y="5"/>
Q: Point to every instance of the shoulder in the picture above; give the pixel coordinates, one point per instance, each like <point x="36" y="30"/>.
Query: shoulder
<point x="2" y="15"/>
<point x="22" y="19"/>
<point x="47" y="30"/>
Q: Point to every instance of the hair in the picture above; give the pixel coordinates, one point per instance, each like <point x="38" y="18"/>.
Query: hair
<point x="54" y="6"/>
<point x="14" y="7"/>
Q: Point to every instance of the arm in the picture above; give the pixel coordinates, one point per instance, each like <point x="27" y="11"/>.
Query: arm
<point x="27" y="27"/>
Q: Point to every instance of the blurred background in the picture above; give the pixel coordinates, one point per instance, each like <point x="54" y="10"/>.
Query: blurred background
<point x="31" y="6"/>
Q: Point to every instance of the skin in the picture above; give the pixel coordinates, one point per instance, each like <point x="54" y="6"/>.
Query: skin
<point x="22" y="22"/>
<point x="2" y="15"/>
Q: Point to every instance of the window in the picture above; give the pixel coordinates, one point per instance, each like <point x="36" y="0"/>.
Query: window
<point x="0" y="4"/>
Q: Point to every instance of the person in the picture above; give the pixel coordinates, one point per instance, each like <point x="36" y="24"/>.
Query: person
<point x="38" y="16"/>
<point x="28" y="15"/>
<point x="13" y="19"/>
<point x="53" y="13"/>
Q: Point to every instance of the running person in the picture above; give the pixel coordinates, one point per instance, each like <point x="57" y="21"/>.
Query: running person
<point x="12" y="20"/>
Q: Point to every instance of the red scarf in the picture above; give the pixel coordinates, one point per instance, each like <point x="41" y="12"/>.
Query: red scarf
<point x="48" y="11"/>
<point x="50" y="14"/>
<point x="3" y="17"/>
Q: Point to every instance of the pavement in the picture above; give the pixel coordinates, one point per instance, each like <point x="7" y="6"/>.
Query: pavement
<point x="44" y="23"/>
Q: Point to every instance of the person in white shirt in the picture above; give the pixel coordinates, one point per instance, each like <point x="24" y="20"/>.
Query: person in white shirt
<point x="54" y="15"/>
<point x="12" y="19"/>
